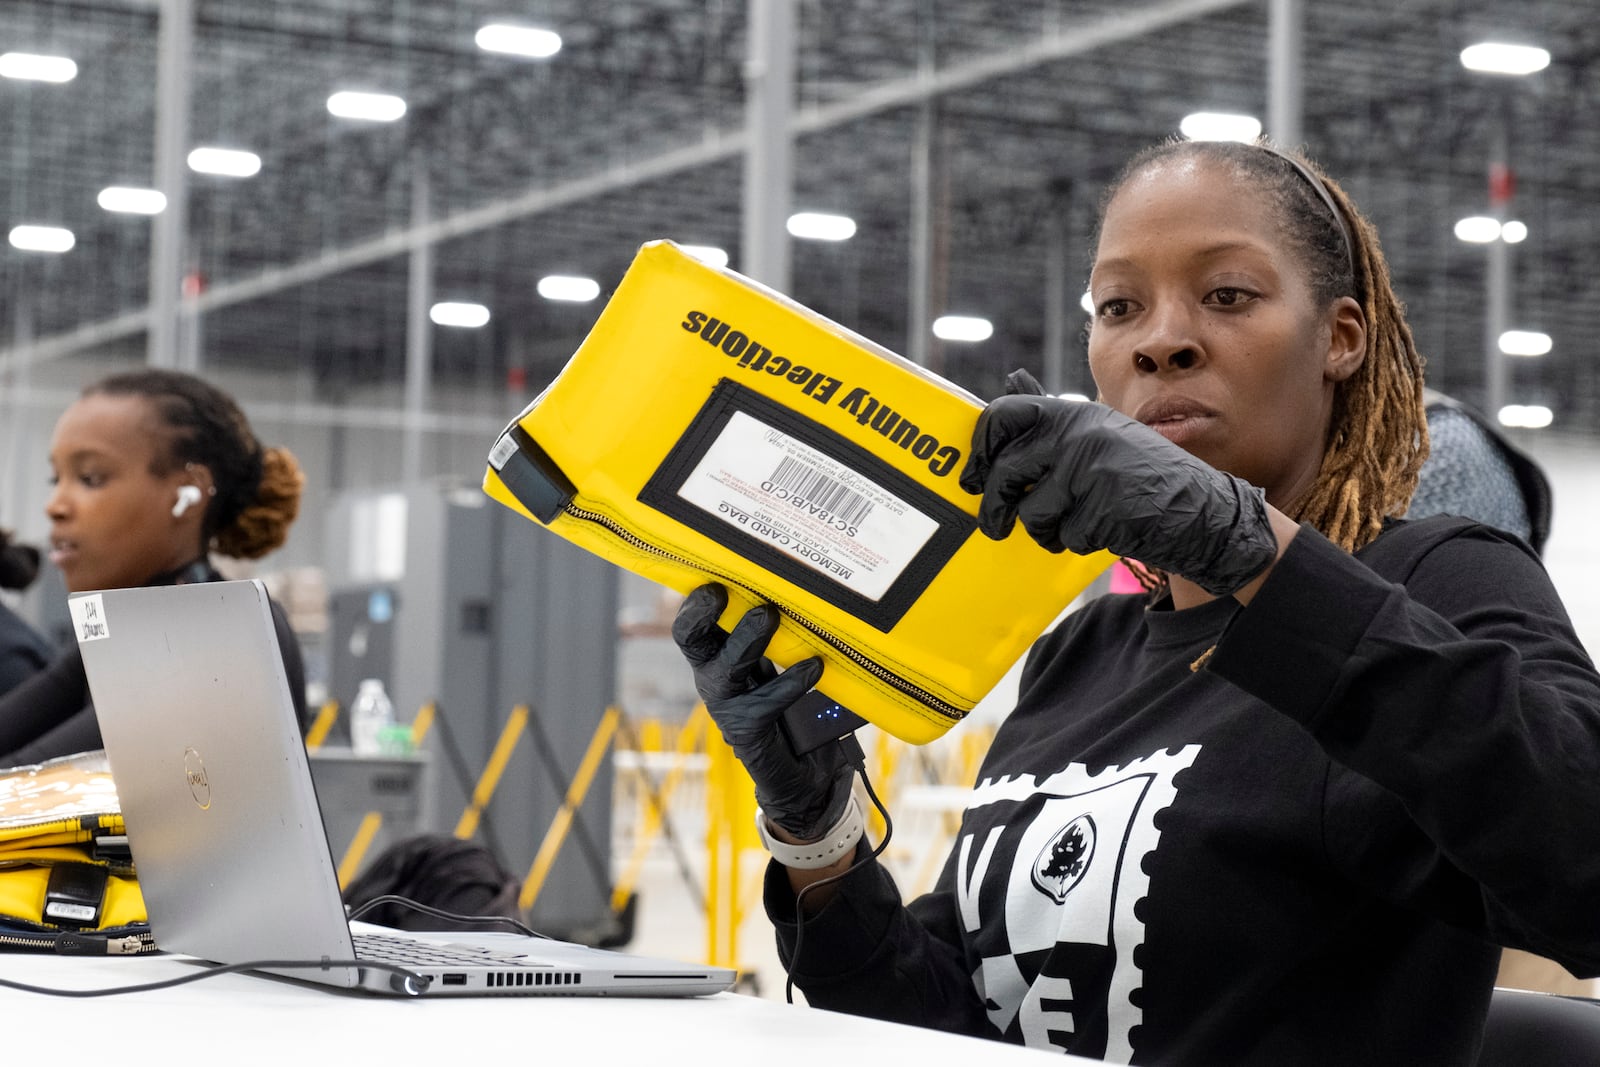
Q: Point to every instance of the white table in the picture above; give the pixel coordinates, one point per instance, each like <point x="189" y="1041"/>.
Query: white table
<point x="245" y="1019"/>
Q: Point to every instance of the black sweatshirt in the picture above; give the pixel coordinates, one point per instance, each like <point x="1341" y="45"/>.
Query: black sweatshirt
<point x="23" y="650"/>
<point x="1305" y="852"/>
<point x="50" y="713"/>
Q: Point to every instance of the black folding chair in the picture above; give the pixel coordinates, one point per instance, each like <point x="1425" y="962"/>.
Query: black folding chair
<point x="1527" y="1029"/>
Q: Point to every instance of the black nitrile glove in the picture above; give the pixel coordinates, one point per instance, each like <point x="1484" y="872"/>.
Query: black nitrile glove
<point x="1082" y="476"/>
<point x="746" y="696"/>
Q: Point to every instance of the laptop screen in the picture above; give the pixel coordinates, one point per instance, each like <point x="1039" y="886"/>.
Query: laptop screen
<point x="205" y="749"/>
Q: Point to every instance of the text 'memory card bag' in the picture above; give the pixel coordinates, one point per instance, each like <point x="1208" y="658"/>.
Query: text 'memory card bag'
<point x="709" y="429"/>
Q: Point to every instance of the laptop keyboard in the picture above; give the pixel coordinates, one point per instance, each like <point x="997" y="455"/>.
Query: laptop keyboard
<point x="404" y="951"/>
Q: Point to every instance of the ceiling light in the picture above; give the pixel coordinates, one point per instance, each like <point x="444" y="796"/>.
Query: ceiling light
<point x="962" y="328"/>
<point x="227" y="162"/>
<point x="518" y="41"/>
<point x="1220" y="126"/>
<point x="816" y="226"/>
<point x="1493" y="57"/>
<point x="368" y="107"/>
<point x="42" y="238"/>
<point x="1526" y="416"/>
<point x="571" y="288"/>
<point x="1514" y="232"/>
<point x="710" y="255"/>
<point x="453" y="313"/>
<point x="1478" y="229"/>
<point x="1525" y="343"/>
<point x="127" y="200"/>
<point x="1086" y="302"/>
<point x="25" y="67"/>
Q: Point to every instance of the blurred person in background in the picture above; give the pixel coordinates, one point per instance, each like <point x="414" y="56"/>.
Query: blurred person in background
<point x="1475" y="471"/>
<point x="153" y="472"/>
<point x="23" y="650"/>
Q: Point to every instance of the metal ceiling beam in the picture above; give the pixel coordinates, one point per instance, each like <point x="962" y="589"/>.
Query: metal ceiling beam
<point x="299" y="413"/>
<point x="1053" y="46"/>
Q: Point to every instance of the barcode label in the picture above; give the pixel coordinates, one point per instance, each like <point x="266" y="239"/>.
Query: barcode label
<point x="808" y="483"/>
<point x="806" y="505"/>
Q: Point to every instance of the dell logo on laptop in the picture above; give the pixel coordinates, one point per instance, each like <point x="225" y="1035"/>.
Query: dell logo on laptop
<point x="195" y="771"/>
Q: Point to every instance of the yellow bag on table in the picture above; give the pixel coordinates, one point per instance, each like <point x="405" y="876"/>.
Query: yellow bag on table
<point x="710" y="429"/>
<point x="67" y="881"/>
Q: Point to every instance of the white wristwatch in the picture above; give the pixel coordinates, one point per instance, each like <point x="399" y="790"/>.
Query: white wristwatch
<point x="840" y="840"/>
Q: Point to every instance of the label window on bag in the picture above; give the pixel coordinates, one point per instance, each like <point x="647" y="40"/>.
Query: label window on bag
<point x="807" y="504"/>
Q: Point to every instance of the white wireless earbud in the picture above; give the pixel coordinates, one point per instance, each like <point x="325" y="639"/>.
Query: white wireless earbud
<point x="188" y="497"/>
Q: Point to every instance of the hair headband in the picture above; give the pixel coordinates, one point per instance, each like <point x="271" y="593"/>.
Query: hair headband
<point x="1327" y="199"/>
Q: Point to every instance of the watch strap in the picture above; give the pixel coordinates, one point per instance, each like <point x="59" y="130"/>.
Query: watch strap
<point x="839" y="840"/>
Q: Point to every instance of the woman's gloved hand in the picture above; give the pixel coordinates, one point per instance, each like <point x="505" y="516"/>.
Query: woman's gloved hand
<point x="1082" y="476"/>
<point x="746" y="696"/>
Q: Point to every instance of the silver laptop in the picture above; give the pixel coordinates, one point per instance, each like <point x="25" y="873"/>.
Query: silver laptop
<point x="223" y="822"/>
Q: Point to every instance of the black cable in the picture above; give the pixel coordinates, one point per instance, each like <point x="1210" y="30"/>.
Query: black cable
<point x="405" y="981"/>
<point x="439" y="913"/>
<point x="799" y="898"/>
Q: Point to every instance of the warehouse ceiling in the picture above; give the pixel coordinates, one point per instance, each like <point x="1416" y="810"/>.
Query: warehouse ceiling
<point x="633" y="131"/>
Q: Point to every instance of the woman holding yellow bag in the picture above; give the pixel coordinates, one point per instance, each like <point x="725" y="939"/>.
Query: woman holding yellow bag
<point x="1286" y="810"/>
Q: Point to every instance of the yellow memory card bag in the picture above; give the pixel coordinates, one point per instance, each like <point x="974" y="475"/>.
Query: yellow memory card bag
<point x="67" y="882"/>
<point x="709" y="429"/>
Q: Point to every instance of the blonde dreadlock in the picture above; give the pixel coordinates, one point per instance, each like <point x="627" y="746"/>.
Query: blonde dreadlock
<point x="1379" y="435"/>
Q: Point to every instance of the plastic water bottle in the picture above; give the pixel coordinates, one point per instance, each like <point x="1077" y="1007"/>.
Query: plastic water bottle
<point x="369" y="715"/>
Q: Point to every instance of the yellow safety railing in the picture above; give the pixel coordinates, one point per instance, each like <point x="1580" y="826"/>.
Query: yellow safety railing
<point x="318" y="733"/>
<point x="422" y="724"/>
<point x="569" y="806"/>
<point x="733" y="859"/>
<point x="490" y="778"/>
<point x="371" y="823"/>
<point x="651" y="814"/>
<point x="730" y="839"/>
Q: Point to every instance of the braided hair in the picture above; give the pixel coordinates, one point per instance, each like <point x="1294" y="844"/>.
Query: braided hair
<point x="1378" y="435"/>
<point x="19" y="563"/>
<point x="256" y="489"/>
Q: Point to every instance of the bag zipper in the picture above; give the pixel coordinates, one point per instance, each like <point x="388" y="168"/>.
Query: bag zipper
<point x="83" y="943"/>
<point x="877" y="670"/>
<point x="24" y="941"/>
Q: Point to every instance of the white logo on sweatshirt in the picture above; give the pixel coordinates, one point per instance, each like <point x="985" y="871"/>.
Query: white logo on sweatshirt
<point x="1071" y="875"/>
<point x="1062" y="862"/>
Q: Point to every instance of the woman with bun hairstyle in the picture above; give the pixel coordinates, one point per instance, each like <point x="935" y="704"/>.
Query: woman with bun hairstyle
<point x="154" y="470"/>
<point x="23" y="650"/>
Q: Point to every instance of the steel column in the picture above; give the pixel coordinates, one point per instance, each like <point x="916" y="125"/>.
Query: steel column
<point x="168" y="229"/>
<point x="419" y="329"/>
<point x="769" y="142"/>
<point x="1286" y="33"/>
